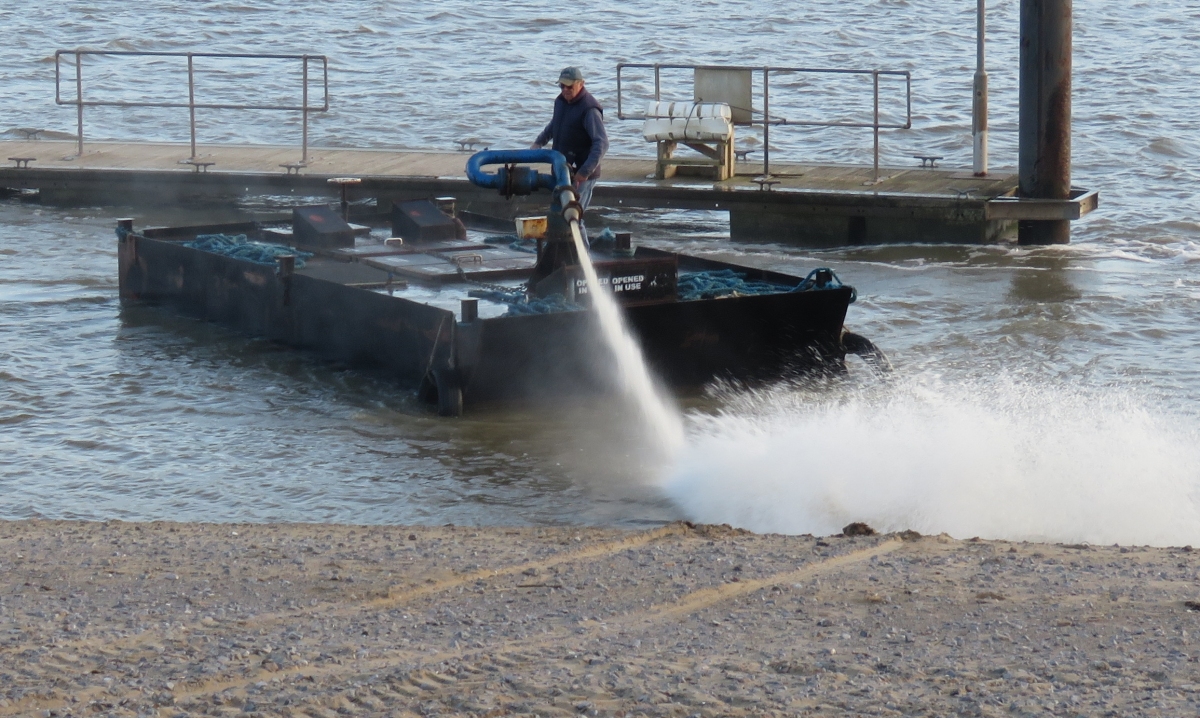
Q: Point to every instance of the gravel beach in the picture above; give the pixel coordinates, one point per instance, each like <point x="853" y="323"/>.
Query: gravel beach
<point x="318" y="620"/>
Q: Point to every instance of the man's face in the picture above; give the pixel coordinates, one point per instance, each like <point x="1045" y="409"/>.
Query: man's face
<point x="570" y="92"/>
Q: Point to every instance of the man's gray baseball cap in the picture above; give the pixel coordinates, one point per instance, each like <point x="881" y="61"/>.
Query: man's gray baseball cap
<point x="569" y="76"/>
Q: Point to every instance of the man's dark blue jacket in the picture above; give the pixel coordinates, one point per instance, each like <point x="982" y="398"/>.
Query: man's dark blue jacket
<point x="577" y="129"/>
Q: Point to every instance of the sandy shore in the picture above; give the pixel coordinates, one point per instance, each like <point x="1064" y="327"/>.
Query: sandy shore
<point x="317" y="620"/>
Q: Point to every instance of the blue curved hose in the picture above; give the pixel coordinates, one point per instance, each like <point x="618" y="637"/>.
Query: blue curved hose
<point x="560" y="177"/>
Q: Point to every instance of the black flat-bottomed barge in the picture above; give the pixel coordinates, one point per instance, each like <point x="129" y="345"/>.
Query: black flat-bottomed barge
<point x="473" y="321"/>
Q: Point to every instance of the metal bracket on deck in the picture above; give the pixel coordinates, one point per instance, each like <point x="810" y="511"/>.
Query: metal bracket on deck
<point x="198" y="165"/>
<point x="1080" y="203"/>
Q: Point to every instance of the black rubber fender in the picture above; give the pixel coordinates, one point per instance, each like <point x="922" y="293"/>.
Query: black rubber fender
<point x="444" y="389"/>
<point x="449" y="393"/>
<point x="866" y="350"/>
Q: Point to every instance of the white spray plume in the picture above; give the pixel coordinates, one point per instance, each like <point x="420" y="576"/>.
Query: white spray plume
<point x="1000" y="458"/>
<point x="659" y="415"/>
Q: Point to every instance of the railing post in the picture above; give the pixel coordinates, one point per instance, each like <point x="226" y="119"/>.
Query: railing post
<point x="304" y="111"/>
<point x="907" y="100"/>
<point x="192" y="102"/>
<point x="766" y="122"/>
<point x="79" y="99"/>
<point x="875" y="129"/>
<point x="979" y="109"/>
<point x="620" y="115"/>
<point x="192" y="105"/>
<point x="876" y="125"/>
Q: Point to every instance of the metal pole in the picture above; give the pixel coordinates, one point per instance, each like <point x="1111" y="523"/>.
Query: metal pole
<point x="1044" y="167"/>
<point x="657" y="84"/>
<point x="875" y="129"/>
<point x="766" y="122"/>
<point x="907" y="100"/>
<point x="620" y="115"/>
<point x="192" y="101"/>
<point x="979" y="109"/>
<point x="325" y="83"/>
<point x="79" y="100"/>
<point x="304" y="104"/>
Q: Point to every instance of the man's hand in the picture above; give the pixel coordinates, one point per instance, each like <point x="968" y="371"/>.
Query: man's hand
<point x="535" y="146"/>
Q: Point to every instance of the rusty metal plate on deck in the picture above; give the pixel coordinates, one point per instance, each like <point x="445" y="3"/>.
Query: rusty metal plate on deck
<point x="488" y="262"/>
<point x="447" y="245"/>
<point x="383" y="250"/>
<point x="333" y="270"/>
<point x="395" y="262"/>
<point x="370" y="250"/>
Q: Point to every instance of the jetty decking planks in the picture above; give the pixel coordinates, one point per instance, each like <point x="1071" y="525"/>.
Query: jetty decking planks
<point x="54" y="154"/>
<point x="822" y="205"/>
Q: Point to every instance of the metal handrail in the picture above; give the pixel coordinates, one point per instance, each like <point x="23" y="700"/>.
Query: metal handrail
<point x="304" y="108"/>
<point x="767" y="120"/>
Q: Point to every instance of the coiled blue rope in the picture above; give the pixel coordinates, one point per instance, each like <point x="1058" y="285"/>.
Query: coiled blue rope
<point x="122" y="233"/>
<point x="835" y="282"/>
<point x="513" y="242"/>
<point x="722" y="283"/>
<point x="691" y="287"/>
<point x="238" y="247"/>
<point x="520" y="305"/>
<point x="727" y="282"/>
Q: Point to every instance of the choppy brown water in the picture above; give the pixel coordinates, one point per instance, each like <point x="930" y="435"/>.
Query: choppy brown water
<point x="136" y="414"/>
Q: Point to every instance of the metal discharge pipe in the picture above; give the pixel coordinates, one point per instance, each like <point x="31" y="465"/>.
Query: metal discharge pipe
<point x="512" y="180"/>
<point x="1044" y="167"/>
<point x="533" y="180"/>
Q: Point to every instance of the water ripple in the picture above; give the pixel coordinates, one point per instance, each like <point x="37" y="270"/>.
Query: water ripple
<point x="137" y="413"/>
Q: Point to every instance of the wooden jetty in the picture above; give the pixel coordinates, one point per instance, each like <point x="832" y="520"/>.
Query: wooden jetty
<point x="816" y="205"/>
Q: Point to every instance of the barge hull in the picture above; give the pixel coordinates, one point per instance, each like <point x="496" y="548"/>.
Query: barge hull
<point x="686" y="344"/>
<point x="508" y="358"/>
<point x="338" y="322"/>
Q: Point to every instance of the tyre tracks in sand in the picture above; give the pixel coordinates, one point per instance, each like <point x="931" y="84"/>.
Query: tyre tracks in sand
<point x="476" y="631"/>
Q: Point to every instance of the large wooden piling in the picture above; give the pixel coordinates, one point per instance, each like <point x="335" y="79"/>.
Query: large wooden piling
<point x="1044" y="167"/>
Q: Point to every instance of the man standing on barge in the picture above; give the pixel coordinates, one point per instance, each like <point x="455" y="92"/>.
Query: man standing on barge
<point x="577" y="130"/>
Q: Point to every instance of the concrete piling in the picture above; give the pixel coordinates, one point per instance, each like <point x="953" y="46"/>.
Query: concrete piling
<point x="1044" y="166"/>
